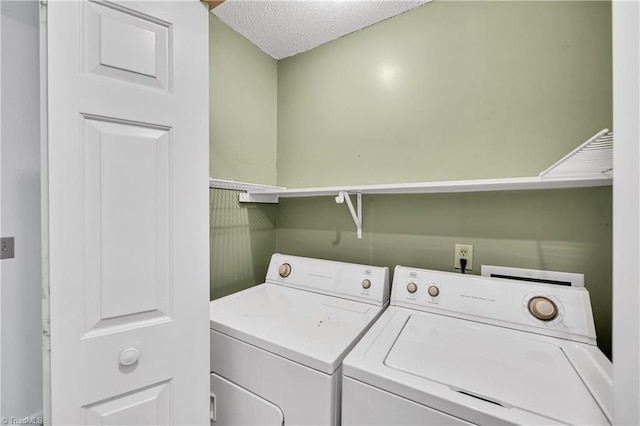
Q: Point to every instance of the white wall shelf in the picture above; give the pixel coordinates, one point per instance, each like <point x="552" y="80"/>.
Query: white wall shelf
<point x="591" y="164"/>
<point x="241" y="186"/>
<point x="475" y="185"/>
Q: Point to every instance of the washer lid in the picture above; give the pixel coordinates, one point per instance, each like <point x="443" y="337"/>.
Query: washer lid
<point x="512" y="369"/>
<point x="309" y="328"/>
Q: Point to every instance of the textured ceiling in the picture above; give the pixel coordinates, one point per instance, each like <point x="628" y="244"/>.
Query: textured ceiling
<point x="282" y="28"/>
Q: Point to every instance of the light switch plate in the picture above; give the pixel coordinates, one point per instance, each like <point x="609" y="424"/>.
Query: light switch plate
<point x="7" y="248"/>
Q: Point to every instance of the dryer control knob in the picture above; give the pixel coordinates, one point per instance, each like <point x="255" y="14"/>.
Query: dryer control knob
<point x="366" y="283"/>
<point x="433" y="291"/>
<point x="412" y="287"/>
<point x="543" y="308"/>
<point x="285" y="270"/>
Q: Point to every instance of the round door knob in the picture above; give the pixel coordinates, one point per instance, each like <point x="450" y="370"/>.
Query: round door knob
<point x="433" y="291"/>
<point x="366" y="283"/>
<point x="129" y="356"/>
<point x="412" y="287"/>
<point x="543" y="308"/>
<point x="284" y="270"/>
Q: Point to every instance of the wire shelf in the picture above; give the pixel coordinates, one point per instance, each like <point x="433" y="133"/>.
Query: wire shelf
<point x="592" y="158"/>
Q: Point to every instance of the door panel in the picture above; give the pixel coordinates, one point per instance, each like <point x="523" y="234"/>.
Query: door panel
<point x="148" y="406"/>
<point x="126" y="287"/>
<point x="126" y="204"/>
<point x="123" y="44"/>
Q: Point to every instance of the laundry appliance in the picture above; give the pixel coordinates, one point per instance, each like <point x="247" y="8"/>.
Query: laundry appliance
<point x="462" y="349"/>
<point x="277" y="348"/>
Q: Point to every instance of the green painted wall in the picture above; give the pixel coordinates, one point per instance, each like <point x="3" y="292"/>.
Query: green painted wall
<point x="242" y="242"/>
<point x="453" y="90"/>
<point x="450" y="90"/>
<point x="243" y="108"/>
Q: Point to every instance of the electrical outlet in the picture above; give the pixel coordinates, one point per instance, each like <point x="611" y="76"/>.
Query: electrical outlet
<point x="463" y="251"/>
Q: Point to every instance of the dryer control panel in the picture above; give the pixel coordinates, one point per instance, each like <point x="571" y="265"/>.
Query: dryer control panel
<point x="540" y="308"/>
<point x="362" y="283"/>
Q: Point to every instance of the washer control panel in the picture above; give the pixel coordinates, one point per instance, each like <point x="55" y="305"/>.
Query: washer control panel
<point x="541" y="308"/>
<point x="364" y="283"/>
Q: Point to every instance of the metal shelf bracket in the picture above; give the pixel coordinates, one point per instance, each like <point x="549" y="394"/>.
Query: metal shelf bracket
<point x="357" y="217"/>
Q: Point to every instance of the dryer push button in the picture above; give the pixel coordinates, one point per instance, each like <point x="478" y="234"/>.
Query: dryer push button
<point x="284" y="270"/>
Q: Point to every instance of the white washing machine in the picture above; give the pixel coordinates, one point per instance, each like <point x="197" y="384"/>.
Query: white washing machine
<point x="277" y="348"/>
<point x="462" y="349"/>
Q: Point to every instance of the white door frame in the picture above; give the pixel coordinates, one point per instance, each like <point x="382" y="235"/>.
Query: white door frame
<point x="44" y="223"/>
<point x="1" y="413"/>
<point x="626" y="211"/>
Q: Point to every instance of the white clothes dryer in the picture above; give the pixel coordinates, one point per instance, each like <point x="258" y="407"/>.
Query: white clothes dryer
<point x="462" y="349"/>
<point x="277" y="348"/>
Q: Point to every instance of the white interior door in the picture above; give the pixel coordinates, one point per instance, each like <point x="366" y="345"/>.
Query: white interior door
<point x="126" y="212"/>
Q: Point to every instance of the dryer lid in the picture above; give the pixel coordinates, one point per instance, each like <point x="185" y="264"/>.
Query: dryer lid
<point x="506" y="367"/>
<point x="309" y="328"/>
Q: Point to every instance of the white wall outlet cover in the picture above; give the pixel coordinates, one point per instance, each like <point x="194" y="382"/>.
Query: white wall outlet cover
<point x="463" y="251"/>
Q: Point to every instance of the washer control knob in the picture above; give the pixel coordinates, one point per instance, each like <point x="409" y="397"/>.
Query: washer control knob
<point x="285" y="270"/>
<point x="366" y="283"/>
<point x="412" y="287"/>
<point x="543" y="308"/>
<point x="433" y="291"/>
